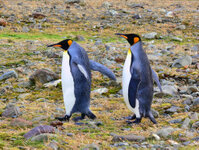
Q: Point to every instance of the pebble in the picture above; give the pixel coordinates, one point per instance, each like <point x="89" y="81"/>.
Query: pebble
<point x="165" y="131"/>
<point x="185" y="123"/>
<point x="129" y="137"/>
<point x="9" y="74"/>
<point x="182" y="61"/>
<point x="151" y="35"/>
<point x="42" y="76"/>
<point x="176" y="39"/>
<point x="92" y="146"/>
<point x="100" y="91"/>
<point x="54" y="83"/>
<point x="11" y="111"/>
<point x="172" y="109"/>
<point x="42" y="137"/>
<point x="196" y="102"/>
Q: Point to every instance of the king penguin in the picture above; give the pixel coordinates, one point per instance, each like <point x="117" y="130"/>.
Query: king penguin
<point x="76" y="79"/>
<point x="137" y="80"/>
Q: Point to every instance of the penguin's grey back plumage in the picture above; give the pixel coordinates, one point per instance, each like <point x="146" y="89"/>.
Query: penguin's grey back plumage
<point x="141" y="63"/>
<point x="81" y="83"/>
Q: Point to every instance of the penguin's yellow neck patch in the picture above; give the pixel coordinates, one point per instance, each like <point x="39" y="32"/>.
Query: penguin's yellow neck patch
<point x="129" y="51"/>
<point x="65" y="52"/>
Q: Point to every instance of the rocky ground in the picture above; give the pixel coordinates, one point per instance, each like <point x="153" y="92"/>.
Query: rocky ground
<point x="30" y="91"/>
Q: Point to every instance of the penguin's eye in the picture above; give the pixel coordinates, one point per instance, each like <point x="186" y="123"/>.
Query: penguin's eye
<point x="136" y="39"/>
<point x="70" y="42"/>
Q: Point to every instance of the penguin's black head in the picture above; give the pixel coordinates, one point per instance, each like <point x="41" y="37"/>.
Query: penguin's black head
<point x="65" y="44"/>
<point x="131" y="38"/>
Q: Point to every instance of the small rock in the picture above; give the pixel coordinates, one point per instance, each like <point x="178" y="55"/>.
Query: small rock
<point x="56" y="123"/>
<point x="166" y="131"/>
<point x="130" y="137"/>
<point x="69" y="134"/>
<point x="155" y="113"/>
<point x="54" y="83"/>
<point x="23" y="96"/>
<point x="80" y="38"/>
<point x="72" y="1"/>
<point x="192" y="89"/>
<point x="169" y="14"/>
<point x="196" y="138"/>
<point x="42" y="137"/>
<point x="113" y="12"/>
<point x="3" y="22"/>
<point x="38" y="15"/>
<point x="183" y="61"/>
<point x="42" y="76"/>
<point x="39" y="130"/>
<point x="98" y="42"/>
<point x="19" y="122"/>
<point x="25" y="29"/>
<point x="106" y="5"/>
<point x="137" y="16"/>
<point x="174" y="143"/>
<point x="92" y="146"/>
<point x="196" y="102"/>
<point x="151" y="35"/>
<point x="176" y="39"/>
<point x="185" y="123"/>
<point x="173" y="109"/>
<point x="169" y="89"/>
<point x="11" y="111"/>
<point x="121" y="144"/>
<point x="186" y="143"/>
<point x="9" y="74"/>
<point x="176" y="121"/>
<point x="181" y="27"/>
<point x="100" y="91"/>
<point x="195" y="124"/>
<point x="156" y="136"/>
<point x="193" y="115"/>
<point x="195" y="48"/>
<point x="53" y="145"/>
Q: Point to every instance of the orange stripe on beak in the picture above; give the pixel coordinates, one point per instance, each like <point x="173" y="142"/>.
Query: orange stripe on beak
<point x="124" y="36"/>
<point x="56" y="45"/>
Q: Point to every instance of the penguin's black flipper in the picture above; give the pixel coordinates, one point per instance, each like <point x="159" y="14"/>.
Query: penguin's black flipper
<point x="156" y="79"/>
<point x="102" y="69"/>
<point x="133" y="87"/>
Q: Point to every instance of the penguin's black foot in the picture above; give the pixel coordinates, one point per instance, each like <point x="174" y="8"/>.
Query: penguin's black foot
<point x="131" y="117"/>
<point x="137" y="120"/>
<point x="90" y="115"/>
<point x="76" y="119"/>
<point x="65" y="118"/>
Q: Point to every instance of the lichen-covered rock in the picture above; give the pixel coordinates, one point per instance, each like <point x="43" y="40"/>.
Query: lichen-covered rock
<point x="182" y="62"/>
<point x="11" y="111"/>
<point x="39" y="130"/>
<point x="9" y="74"/>
<point x="43" y="76"/>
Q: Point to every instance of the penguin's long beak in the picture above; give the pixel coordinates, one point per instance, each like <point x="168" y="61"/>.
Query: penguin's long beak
<point x="54" y="45"/>
<point x="122" y="35"/>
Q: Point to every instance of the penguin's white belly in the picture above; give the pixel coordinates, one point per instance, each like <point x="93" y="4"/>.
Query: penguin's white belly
<point x="68" y="87"/>
<point x="126" y="78"/>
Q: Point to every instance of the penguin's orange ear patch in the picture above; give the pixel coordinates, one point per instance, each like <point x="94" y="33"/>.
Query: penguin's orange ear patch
<point x="70" y="42"/>
<point x="136" y="39"/>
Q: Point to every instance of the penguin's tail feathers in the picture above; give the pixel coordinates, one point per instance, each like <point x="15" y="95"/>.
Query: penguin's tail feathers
<point x="156" y="79"/>
<point x="95" y="66"/>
